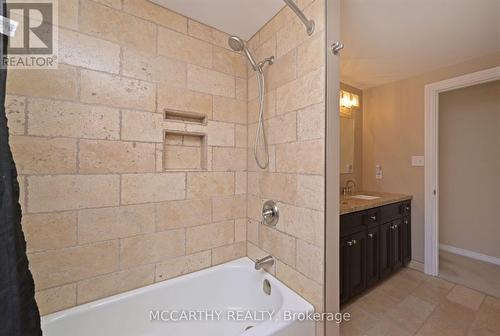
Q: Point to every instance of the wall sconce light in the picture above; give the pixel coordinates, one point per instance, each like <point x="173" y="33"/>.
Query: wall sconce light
<point x="348" y="100"/>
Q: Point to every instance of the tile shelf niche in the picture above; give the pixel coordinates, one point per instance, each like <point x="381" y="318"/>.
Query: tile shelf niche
<point x="186" y="117"/>
<point x="184" y="151"/>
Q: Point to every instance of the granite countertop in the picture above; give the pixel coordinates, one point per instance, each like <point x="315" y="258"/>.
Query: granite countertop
<point x="349" y="204"/>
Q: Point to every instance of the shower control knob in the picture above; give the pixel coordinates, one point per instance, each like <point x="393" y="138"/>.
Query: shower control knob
<point x="270" y="214"/>
<point x="337" y="47"/>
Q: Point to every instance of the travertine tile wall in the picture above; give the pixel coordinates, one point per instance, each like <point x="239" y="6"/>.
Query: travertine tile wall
<point x="101" y="215"/>
<point x="295" y="125"/>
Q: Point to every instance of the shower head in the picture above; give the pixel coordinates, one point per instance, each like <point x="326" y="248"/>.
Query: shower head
<point x="237" y="44"/>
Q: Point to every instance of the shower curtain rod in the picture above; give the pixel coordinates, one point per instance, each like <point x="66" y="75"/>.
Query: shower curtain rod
<point x="308" y="23"/>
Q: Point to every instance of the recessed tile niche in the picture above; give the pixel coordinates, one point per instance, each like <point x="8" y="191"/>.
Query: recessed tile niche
<point x="185" y="151"/>
<point x="188" y="117"/>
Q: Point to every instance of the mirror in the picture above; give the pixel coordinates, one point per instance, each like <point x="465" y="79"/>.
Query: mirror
<point x="347" y="126"/>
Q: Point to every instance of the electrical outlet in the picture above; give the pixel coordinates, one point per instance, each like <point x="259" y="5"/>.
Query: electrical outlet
<point x="379" y="174"/>
<point x="417" y="161"/>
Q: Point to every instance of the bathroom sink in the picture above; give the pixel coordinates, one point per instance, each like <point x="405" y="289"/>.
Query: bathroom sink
<point x="366" y="197"/>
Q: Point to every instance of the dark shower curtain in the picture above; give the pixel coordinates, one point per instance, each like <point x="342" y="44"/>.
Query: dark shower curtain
<point x="19" y="314"/>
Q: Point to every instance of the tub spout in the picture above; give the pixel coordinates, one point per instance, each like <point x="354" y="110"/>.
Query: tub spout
<point x="259" y="263"/>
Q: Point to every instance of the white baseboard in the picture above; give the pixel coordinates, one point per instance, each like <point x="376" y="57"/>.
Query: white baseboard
<point x="470" y="254"/>
<point x="416" y="265"/>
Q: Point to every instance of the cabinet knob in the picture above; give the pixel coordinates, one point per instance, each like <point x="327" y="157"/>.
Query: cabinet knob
<point x="407" y="208"/>
<point x="374" y="217"/>
<point x="370" y="235"/>
<point x="354" y="242"/>
<point x="406" y="222"/>
<point x="349" y="243"/>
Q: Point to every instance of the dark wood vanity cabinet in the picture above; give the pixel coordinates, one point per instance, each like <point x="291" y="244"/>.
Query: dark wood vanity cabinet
<point x="374" y="244"/>
<point x="385" y="264"/>
<point x="406" y="232"/>
<point x="397" y="244"/>
<point x="356" y="259"/>
<point x="372" y="256"/>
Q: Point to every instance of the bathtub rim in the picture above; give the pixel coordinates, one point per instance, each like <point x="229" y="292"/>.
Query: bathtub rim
<point x="292" y="301"/>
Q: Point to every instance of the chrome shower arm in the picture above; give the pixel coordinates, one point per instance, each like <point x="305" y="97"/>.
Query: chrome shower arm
<point x="308" y="23"/>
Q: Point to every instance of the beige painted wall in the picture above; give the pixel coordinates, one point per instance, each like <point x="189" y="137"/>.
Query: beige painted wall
<point x="357" y="174"/>
<point x="469" y="166"/>
<point x="393" y="131"/>
<point x="295" y="125"/>
<point x="101" y="214"/>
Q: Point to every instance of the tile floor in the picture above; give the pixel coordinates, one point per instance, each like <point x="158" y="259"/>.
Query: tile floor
<point x="482" y="276"/>
<point x="412" y="303"/>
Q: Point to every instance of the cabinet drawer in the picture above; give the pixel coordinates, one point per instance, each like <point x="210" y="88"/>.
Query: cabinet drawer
<point x="391" y="212"/>
<point x="371" y="217"/>
<point x="351" y="223"/>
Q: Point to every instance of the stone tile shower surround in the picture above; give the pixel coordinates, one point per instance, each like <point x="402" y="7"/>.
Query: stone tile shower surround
<point x="104" y="214"/>
<point x="295" y="127"/>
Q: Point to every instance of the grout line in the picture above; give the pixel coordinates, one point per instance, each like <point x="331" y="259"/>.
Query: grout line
<point x="120" y="125"/>
<point x="78" y="83"/>
<point x="427" y="319"/>
<point x="77" y="161"/>
<point x="77" y="221"/>
<point x="122" y="60"/>
<point x="120" y="190"/>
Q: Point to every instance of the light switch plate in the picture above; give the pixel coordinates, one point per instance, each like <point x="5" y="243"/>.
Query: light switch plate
<point x="417" y="161"/>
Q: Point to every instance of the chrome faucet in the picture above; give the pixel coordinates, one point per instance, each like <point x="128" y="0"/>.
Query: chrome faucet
<point x="348" y="187"/>
<point x="259" y="263"/>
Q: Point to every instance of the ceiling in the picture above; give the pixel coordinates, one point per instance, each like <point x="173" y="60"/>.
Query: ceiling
<point x="236" y="17"/>
<point x="385" y="40"/>
<point x="388" y="40"/>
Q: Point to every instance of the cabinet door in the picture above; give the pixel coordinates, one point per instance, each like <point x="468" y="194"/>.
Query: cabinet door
<point x="344" y="269"/>
<point x="372" y="256"/>
<point x="397" y="244"/>
<point x="385" y="256"/>
<point x="406" y="233"/>
<point x="357" y="263"/>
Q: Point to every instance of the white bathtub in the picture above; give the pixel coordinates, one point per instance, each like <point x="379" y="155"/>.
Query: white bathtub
<point x="229" y="289"/>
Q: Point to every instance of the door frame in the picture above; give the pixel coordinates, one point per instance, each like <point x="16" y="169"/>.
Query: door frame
<point x="432" y="91"/>
<point x="332" y="169"/>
